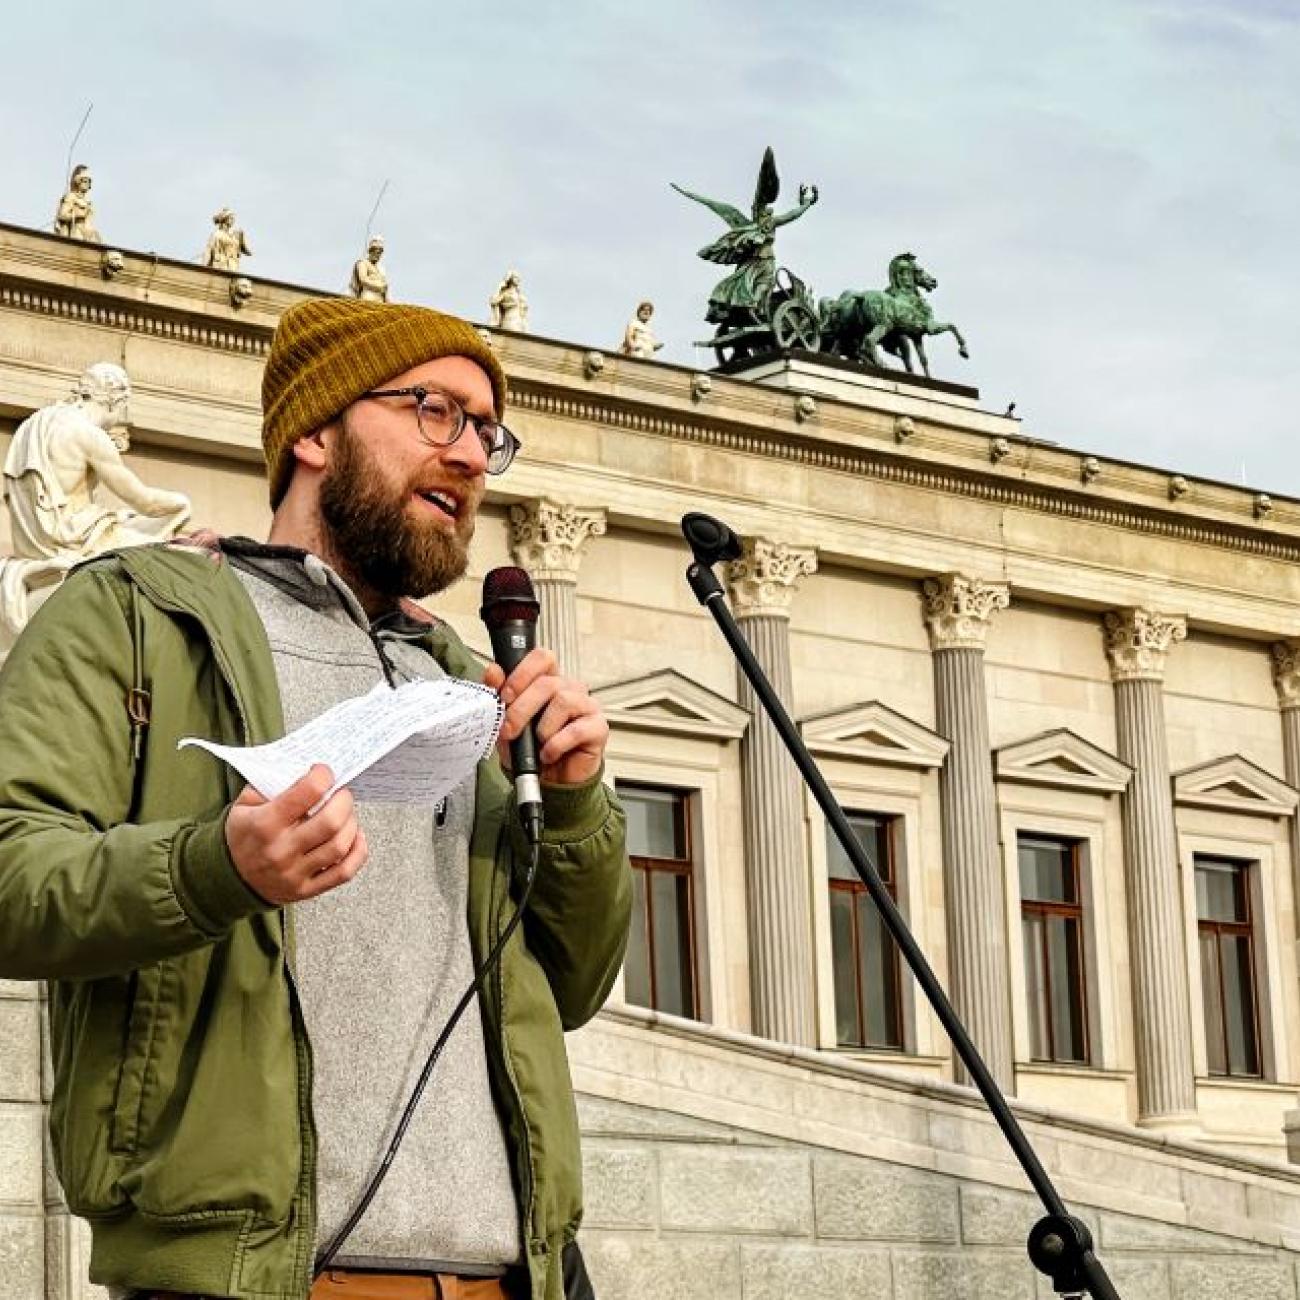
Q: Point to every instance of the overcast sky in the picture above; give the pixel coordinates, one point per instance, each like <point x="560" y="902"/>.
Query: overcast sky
<point x="1107" y="192"/>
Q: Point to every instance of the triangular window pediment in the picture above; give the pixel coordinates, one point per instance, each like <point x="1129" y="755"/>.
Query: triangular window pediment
<point x="667" y="708"/>
<point x="879" y="738"/>
<point x="669" y="701"/>
<point x="1235" y="784"/>
<point x="1062" y="759"/>
<point x="874" y="733"/>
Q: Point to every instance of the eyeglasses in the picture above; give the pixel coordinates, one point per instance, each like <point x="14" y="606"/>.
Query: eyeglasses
<point x="441" y="419"/>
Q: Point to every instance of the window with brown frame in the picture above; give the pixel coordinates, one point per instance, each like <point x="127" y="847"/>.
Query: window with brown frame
<point x="1225" y="931"/>
<point x="1052" y="926"/>
<point x="660" y="969"/>
<point x="868" y="992"/>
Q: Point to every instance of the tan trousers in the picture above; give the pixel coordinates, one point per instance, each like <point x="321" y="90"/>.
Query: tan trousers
<point x="337" y="1284"/>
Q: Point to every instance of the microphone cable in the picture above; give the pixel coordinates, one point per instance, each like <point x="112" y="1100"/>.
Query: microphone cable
<point x="326" y="1258"/>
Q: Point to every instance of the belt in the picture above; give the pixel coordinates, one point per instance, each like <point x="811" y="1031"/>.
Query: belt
<point x="342" y="1284"/>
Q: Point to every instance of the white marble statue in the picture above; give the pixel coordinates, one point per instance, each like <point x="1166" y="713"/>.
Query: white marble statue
<point x="227" y="243"/>
<point x="509" y="306"/>
<point x="639" y="339"/>
<point x="369" y="279"/>
<point x="75" y="217"/>
<point x="57" y="460"/>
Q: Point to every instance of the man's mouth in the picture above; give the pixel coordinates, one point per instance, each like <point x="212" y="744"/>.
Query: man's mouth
<point x="443" y="501"/>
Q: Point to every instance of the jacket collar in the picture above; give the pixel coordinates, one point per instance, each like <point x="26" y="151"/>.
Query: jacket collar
<point x="196" y="580"/>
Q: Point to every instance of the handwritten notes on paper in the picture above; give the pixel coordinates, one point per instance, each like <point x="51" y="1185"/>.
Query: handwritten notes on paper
<point x="411" y="744"/>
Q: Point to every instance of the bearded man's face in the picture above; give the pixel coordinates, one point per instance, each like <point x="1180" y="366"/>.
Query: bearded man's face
<point x="398" y="513"/>
<point x="388" y="544"/>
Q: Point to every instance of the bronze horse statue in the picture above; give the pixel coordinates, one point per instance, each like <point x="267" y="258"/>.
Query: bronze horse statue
<point x="898" y="319"/>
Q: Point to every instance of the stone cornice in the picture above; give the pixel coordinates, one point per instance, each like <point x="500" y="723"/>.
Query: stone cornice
<point x="136" y="318"/>
<point x="959" y="610"/>
<point x="912" y="468"/>
<point x="1138" y="642"/>
<point x="173" y="299"/>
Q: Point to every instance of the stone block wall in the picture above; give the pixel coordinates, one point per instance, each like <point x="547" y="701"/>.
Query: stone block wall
<point x="740" y="1189"/>
<point x="44" y="1250"/>
<point x="22" y="1208"/>
<point x="696" y="1213"/>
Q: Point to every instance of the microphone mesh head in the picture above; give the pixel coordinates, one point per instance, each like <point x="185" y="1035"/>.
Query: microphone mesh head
<point x="508" y="597"/>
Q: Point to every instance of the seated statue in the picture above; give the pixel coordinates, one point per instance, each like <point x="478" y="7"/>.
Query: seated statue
<point x="57" y="460"/>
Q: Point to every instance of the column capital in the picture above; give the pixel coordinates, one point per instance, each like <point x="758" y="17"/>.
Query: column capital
<point x="762" y="581"/>
<point x="547" y="538"/>
<point x="1286" y="673"/>
<point x="958" y="610"/>
<point x="1138" y="641"/>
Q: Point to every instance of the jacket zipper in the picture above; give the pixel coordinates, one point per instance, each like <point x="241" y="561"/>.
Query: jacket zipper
<point x="304" y="1251"/>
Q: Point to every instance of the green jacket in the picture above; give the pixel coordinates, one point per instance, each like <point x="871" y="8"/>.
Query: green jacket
<point x="181" y="1117"/>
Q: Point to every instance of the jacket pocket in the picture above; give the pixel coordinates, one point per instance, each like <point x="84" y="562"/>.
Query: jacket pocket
<point x="135" y="1078"/>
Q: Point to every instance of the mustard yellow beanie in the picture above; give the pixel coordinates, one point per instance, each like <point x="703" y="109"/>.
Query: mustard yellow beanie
<point x="328" y="351"/>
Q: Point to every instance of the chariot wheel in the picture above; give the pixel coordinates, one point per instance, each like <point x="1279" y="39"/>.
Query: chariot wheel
<point x="726" y="353"/>
<point x="736" y="343"/>
<point x="795" y="325"/>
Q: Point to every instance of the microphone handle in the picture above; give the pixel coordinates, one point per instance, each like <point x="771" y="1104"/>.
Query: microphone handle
<point x="511" y="642"/>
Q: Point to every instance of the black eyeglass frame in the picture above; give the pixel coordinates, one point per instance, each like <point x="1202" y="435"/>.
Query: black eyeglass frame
<point x="508" y="447"/>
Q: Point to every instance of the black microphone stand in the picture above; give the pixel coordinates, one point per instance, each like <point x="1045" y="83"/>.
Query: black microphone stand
<point x="1059" y="1245"/>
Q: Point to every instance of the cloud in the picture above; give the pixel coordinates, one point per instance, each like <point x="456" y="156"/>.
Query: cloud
<point x="1107" y="194"/>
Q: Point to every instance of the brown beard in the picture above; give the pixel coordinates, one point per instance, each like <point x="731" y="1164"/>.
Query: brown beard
<point x="373" y="541"/>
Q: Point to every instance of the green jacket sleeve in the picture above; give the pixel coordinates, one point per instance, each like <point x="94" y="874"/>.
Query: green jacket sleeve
<point x="581" y="906"/>
<point x="83" y="892"/>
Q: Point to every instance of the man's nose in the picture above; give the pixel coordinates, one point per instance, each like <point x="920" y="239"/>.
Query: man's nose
<point x="467" y="453"/>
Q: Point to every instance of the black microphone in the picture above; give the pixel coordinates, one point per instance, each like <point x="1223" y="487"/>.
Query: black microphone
<point x="510" y="614"/>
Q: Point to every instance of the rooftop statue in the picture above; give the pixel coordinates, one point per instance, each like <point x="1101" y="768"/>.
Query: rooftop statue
<point x="75" y="218"/>
<point x="59" y="457"/>
<point x="508" y="305"/>
<point x="639" y="339"/>
<point x="757" y="306"/>
<point x="227" y="243"/>
<point x="369" y="279"/>
<point x="898" y="319"/>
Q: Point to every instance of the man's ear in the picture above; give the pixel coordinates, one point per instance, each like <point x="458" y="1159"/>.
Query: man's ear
<point x="311" y="449"/>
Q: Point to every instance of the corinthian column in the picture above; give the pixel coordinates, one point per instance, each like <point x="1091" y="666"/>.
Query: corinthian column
<point x="958" y="612"/>
<point x="762" y="583"/>
<point x="1286" y="677"/>
<point x="548" y="540"/>
<point x="1137" y="644"/>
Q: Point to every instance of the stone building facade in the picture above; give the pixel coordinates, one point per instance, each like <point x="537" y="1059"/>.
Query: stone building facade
<point x="1060" y="698"/>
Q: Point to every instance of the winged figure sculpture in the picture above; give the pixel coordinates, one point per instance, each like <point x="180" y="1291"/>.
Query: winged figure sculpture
<point x="748" y="245"/>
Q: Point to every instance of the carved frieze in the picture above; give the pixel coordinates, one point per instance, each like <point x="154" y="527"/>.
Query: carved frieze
<point x="958" y="610"/>
<point x="1138" y="642"/>
<point x="762" y="581"/>
<point x="548" y="538"/>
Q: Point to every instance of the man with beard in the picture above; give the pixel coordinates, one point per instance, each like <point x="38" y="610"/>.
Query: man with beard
<point x="243" y="990"/>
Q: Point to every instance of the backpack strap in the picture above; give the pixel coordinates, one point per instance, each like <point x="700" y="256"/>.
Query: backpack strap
<point x="139" y="702"/>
